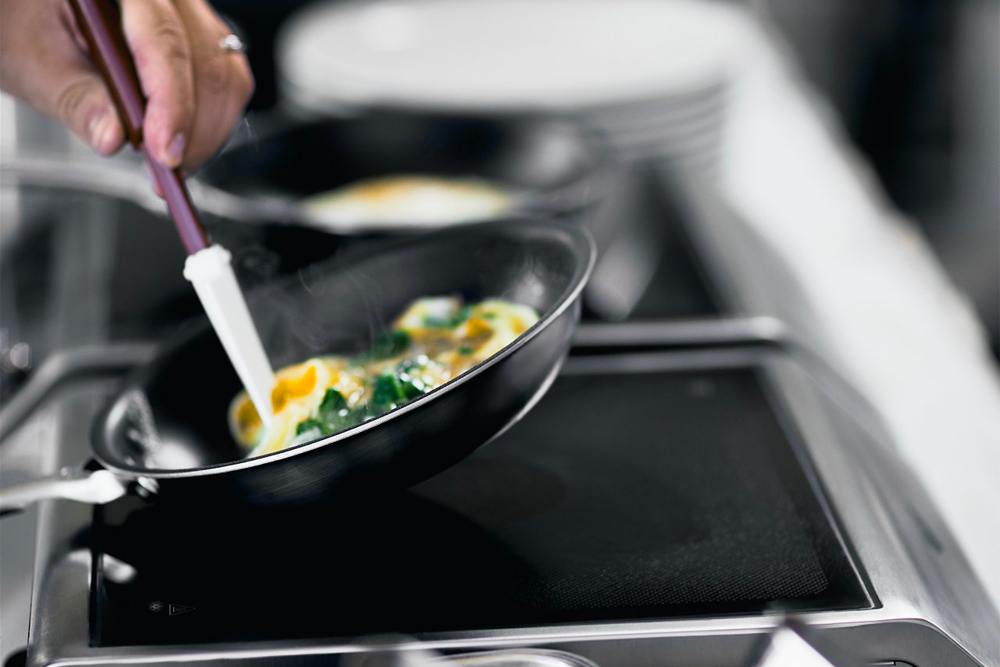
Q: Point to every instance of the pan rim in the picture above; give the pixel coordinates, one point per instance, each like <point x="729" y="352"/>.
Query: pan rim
<point x="576" y="286"/>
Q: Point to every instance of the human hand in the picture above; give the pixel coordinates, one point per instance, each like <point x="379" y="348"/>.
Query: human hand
<point x="196" y="90"/>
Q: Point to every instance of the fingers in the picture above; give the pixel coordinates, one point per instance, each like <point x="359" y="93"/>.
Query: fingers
<point x="82" y="103"/>
<point x="196" y="90"/>
<point x="161" y="48"/>
<point x="54" y="75"/>
<point x="223" y="83"/>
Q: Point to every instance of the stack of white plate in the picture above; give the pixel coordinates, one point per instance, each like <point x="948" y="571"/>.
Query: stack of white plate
<point x="651" y="75"/>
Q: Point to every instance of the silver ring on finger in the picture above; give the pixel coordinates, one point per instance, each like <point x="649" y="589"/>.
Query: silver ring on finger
<point x="231" y="43"/>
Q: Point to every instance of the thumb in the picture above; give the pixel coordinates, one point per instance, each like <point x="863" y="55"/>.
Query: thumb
<point x="53" y="74"/>
<point x="81" y="102"/>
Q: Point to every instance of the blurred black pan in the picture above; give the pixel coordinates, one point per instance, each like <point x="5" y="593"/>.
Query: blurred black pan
<point x="549" y="166"/>
<point x="289" y="246"/>
<point x="166" y="432"/>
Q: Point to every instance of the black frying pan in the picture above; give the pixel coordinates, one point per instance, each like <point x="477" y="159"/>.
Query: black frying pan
<point x="166" y="432"/>
<point x="550" y="166"/>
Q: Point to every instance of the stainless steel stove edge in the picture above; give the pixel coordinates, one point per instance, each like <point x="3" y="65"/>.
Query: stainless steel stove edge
<point x="663" y="644"/>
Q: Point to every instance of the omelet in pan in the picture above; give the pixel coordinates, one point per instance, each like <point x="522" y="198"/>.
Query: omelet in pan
<point x="433" y="341"/>
<point x="410" y="200"/>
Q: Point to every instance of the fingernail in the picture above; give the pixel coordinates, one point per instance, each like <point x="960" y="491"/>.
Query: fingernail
<point x="174" y="153"/>
<point x="94" y="129"/>
<point x="109" y="133"/>
<point x="101" y="130"/>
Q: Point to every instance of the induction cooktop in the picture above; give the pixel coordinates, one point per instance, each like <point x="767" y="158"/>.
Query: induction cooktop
<point x="655" y="508"/>
<point x="650" y="493"/>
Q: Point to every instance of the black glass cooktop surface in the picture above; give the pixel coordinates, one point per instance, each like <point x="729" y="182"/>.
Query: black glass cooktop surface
<point x="623" y="495"/>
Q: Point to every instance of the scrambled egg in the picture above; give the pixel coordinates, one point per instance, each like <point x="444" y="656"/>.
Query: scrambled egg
<point x="434" y="340"/>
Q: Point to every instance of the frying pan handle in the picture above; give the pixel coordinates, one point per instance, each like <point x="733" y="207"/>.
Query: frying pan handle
<point x="100" y="24"/>
<point x="63" y="368"/>
<point x="97" y="487"/>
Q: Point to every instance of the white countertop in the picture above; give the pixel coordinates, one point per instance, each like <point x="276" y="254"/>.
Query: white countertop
<point x="893" y="321"/>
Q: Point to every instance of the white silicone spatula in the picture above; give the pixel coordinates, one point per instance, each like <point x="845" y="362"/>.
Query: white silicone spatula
<point x="208" y="266"/>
